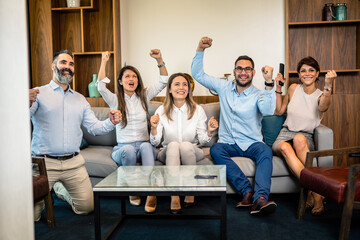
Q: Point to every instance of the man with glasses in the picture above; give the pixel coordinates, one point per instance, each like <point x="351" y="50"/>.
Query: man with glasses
<point x="242" y="108"/>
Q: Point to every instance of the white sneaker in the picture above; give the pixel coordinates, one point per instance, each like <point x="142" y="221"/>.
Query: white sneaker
<point x="61" y="192"/>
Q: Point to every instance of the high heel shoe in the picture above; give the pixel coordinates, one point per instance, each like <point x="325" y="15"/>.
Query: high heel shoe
<point x="310" y="201"/>
<point x="175" y="207"/>
<point x="150" y="205"/>
<point x="189" y="201"/>
<point x="318" y="208"/>
<point x="135" y="200"/>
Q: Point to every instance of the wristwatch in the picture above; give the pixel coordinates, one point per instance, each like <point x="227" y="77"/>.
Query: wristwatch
<point x="269" y="84"/>
<point x="163" y="64"/>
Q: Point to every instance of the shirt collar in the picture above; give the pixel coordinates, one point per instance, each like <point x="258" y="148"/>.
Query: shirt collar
<point x="246" y="92"/>
<point x="134" y="96"/>
<point x="54" y="86"/>
<point x="182" y="109"/>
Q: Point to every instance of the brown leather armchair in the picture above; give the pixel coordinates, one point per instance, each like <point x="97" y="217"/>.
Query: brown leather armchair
<point x="41" y="190"/>
<point x="341" y="184"/>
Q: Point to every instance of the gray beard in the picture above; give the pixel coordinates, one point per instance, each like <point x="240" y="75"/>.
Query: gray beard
<point x="63" y="79"/>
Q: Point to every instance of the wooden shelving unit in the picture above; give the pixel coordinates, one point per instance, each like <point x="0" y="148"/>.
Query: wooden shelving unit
<point x="335" y="45"/>
<point x="86" y="31"/>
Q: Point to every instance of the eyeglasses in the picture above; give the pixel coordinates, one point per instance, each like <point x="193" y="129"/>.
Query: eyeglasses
<point x="246" y="69"/>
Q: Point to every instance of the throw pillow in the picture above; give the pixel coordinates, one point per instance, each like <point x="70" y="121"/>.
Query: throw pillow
<point x="271" y="126"/>
<point x="84" y="144"/>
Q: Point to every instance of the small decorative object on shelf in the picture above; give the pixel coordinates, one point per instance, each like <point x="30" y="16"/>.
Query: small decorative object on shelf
<point x="341" y="11"/>
<point x="93" y="92"/>
<point x="328" y="12"/>
<point x="73" y="3"/>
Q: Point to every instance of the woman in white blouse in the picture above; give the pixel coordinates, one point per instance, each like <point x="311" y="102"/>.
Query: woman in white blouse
<point x="132" y="134"/>
<point x="183" y="124"/>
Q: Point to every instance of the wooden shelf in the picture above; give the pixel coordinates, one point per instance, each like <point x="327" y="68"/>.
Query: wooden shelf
<point x="90" y="53"/>
<point x="343" y="22"/>
<point x="72" y="9"/>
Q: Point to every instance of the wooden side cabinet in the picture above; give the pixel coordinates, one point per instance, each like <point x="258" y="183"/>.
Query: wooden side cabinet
<point x="335" y="45"/>
<point x="86" y="31"/>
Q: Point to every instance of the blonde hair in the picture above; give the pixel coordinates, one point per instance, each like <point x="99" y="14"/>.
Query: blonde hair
<point x="169" y="99"/>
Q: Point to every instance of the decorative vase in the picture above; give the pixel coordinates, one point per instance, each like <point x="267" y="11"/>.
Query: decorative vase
<point x="93" y="92"/>
<point x="73" y="3"/>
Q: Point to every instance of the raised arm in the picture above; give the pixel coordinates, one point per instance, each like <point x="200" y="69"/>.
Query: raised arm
<point x="325" y="99"/>
<point x="159" y="86"/>
<point x="109" y="97"/>
<point x="197" y="67"/>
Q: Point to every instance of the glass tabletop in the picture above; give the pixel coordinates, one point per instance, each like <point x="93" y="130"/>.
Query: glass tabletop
<point x="165" y="178"/>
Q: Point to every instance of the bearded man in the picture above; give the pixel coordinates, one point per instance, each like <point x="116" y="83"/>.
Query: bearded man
<point x="57" y="113"/>
<point x="242" y="108"/>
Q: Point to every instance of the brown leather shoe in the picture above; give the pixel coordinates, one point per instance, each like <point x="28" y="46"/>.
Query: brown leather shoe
<point x="150" y="205"/>
<point x="247" y="200"/>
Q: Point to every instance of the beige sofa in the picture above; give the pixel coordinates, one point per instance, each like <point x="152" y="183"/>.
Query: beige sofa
<point x="99" y="164"/>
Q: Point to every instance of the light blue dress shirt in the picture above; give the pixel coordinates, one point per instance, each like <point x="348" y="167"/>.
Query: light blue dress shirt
<point x="241" y="114"/>
<point x="57" y="117"/>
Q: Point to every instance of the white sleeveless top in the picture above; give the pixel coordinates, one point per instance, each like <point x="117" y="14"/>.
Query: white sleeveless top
<point x="302" y="111"/>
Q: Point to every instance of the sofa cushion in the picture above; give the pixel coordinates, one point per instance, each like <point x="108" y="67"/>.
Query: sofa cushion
<point x="98" y="161"/>
<point x="271" y="126"/>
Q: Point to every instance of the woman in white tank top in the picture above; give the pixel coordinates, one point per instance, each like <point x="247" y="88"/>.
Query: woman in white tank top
<point x="304" y="105"/>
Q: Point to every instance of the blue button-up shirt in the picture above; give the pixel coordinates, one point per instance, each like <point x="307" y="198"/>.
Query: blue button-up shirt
<point x="241" y="114"/>
<point x="57" y="117"/>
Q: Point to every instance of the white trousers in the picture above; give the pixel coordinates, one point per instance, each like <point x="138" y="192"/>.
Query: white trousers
<point x="184" y="153"/>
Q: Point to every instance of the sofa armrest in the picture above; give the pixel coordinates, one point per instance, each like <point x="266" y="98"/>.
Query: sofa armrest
<point x="324" y="140"/>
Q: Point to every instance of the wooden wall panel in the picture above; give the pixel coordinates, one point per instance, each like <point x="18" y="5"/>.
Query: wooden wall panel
<point x="320" y="45"/>
<point x="297" y="46"/>
<point x="344" y="47"/>
<point x="40" y="41"/>
<point x="198" y="99"/>
<point x="98" y="34"/>
<point x="67" y="31"/>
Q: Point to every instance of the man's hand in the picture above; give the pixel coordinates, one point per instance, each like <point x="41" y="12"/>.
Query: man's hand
<point x="212" y="125"/>
<point x="115" y="116"/>
<point x="267" y="72"/>
<point x="329" y="78"/>
<point x="279" y="78"/>
<point x="154" y="121"/>
<point x="155" y="53"/>
<point x="105" y="56"/>
<point x="205" y="42"/>
<point x="32" y="95"/>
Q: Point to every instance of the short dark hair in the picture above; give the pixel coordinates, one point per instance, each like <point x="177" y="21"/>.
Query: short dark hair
<point x="308" y="61"/>
<point x="245" y="57"/>
<point x="60" y="52"/>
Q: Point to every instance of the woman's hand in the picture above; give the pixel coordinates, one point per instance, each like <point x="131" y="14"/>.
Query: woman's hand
<point x="212" y="125"/>
<point x="279" y="79"/>
<point x="154" y="121"/>
<point x="155" y="53"/>
<point x="329" y="78"/>
<point x="105" y="56"/>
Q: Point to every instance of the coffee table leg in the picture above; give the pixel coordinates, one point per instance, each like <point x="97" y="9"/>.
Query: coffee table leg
<point x="223" y="217"/>
<point x="123" y="206"/>
<point x="97" y="216"/>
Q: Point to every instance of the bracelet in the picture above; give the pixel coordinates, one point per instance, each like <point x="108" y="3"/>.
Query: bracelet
<point x="269" y="84"/>
<point x="327" y="89"/>
<point x="278" y="92"/>
<point x="161" y="65"/>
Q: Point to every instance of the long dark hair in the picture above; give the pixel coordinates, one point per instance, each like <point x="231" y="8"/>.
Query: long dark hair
<point x="169" y="99"/>
<point x="140" y="91"/>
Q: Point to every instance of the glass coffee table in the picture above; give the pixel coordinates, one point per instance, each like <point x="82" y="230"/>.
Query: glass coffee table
<point x="197" y="180"/>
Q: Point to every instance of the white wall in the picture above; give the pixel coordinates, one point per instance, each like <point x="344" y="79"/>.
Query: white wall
<point x="16" y="201"/>
<point x="255" y="28"/>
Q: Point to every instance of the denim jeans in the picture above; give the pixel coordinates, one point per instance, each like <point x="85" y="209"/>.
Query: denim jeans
<point x="260" y="153"/>
<point x="128" y="154"/>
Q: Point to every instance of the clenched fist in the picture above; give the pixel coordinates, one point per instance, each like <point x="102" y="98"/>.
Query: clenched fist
<point x="154" y="121"/>
<point x="330" y="77"/>
<point x="279" y="78"/>
<point x="155" y="53"/>
<point x="105" y="56"/>
<point x="212" y="125"/>
<point x="115" y="116"/>
<point x="33" y="95"/>
<point x="267" y="72"/>
<point x="205" y="42"/>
